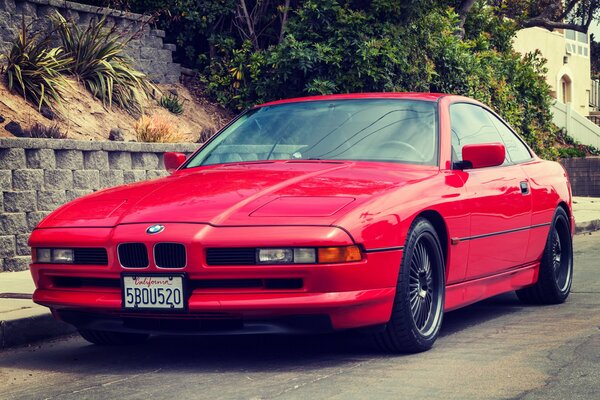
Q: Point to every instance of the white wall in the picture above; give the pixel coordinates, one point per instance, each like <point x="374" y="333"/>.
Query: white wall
<point x="578" y="127"/>
<point x="553" y="46"/>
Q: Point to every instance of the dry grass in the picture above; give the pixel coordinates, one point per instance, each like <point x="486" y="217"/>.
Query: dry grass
<point x="157" y="129"/>
<point x="42" y="131"/>
<point x="85" y="118"/>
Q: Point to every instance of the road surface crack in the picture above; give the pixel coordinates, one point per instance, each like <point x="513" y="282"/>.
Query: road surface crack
<point x="102" y="385"/>
<point x="319" y="378"/>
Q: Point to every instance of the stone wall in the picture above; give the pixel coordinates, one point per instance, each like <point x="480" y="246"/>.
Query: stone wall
<point x="584" y="174"/>
<point x="148" y="52"/>
<point x="38" y="175"/>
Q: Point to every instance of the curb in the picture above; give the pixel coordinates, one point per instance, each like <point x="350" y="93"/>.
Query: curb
<point x="31" y="328"/>
<point x="587" y="226"/>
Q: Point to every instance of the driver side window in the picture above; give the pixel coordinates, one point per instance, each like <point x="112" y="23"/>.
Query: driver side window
<point x="471" y="124"/>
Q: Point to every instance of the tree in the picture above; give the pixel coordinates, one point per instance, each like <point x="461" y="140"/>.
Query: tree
<point x="595" y="56"/>
<point x="576" y="15"/>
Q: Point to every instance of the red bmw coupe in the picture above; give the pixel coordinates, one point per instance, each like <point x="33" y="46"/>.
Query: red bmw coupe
<point x="377" y="211"/>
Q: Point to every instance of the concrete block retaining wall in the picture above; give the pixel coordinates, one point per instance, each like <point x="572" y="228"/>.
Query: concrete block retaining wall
<point x="147" y="51"/>
<point x="584" y="174"/>
<point x="38" y="175"/>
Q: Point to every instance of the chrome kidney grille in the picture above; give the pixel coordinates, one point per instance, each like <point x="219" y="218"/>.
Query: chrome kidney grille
<point x="133" y="255"/>
<point x="166" y="255"/>
<point x="169" y="255"/>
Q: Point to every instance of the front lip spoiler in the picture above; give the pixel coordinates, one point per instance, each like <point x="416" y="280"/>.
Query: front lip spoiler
<point x="296" y="302"/>
<point x="299" y="324"/>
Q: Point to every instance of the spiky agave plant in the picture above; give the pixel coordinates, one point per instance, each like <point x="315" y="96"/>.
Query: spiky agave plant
<point x="35" y="69"/>
<point x="172" y="103"/>
<point x="99" y="63"/>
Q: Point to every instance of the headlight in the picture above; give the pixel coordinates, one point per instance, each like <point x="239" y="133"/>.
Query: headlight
<point x="305" y="256"/>
<point x="54" y="256"/>
<point x="44" y="255"/>
<point x="275" y="256"/>
<point x="323" y="255"/>
<point x="62" y="256"/>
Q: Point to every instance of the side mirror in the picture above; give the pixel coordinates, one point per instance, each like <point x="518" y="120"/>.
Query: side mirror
<point x="483" y="155"/>
<point x="173" y="161"/>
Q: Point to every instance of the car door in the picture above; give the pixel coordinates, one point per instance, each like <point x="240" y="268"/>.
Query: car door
<point x="498" y="198"/>
<point x="542" y="204"/>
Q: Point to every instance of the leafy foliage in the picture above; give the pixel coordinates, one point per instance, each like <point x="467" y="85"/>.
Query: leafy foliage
<point x="192" y="24"/>
<point x="98" y="61"/>
<point x="171" y="103"/>
<point x="304" y="47"/>
<point x="569" y="147"/>
<point x="35" y="69"/>
<point x="157" y="129"/>
<point x="332" y="48"/>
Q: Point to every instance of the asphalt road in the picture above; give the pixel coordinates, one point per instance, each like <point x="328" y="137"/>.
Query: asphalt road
<point x="494" y="349"/>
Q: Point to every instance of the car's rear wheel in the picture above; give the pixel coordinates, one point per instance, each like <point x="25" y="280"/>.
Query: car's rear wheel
<point x="419" y="302"/>
<point x="556" y="267"/>
<point x="112" y="338"/>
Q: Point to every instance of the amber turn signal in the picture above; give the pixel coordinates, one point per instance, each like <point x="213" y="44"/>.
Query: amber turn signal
<point x="339" y="254"/>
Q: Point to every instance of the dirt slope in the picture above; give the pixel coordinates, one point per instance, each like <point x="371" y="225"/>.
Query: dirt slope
<point x="83" y="117"/>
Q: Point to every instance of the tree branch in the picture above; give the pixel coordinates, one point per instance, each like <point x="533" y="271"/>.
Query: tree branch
<point x="570" y="5"/>
<point x="249" y="23"/>
<point x="284" y="19"/>
<point x="463" y="11"/>
<point x="552" y="25"/>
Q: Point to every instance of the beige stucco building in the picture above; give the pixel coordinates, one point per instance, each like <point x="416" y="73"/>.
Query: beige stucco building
<point x="568" y="55"/>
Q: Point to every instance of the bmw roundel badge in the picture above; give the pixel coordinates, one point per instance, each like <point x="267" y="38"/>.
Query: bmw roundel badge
<point x="154" y="229"/>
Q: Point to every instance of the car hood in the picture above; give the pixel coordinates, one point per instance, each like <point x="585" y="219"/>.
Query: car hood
<point x="268" y="193"/>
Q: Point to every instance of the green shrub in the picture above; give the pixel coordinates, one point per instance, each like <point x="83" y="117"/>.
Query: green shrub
<point x="99" y="63"/>
<point x="341" y="46"/>
<point x="172" y="103"/>
<point x="333" y="46"/>
<point x="35" y="69"/>
<point x="192" y="24"/>
<point x="572" y="148"/>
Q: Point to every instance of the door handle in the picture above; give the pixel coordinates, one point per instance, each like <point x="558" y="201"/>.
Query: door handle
<point x="524" y="188"/>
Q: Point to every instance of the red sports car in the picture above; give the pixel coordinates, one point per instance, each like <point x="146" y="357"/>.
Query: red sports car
<point x="377" y="211"/>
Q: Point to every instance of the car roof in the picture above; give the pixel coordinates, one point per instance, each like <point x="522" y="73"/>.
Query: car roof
<point x="357" y="96"/>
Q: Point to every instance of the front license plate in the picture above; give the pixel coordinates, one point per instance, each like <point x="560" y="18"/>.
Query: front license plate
<point x="164" y="292"/>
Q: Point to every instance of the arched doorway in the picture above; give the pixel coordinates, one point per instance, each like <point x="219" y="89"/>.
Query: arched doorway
<point x="565" y="88"/>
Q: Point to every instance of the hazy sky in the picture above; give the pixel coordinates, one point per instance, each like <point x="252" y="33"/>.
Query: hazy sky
<point x="595" y="29"/>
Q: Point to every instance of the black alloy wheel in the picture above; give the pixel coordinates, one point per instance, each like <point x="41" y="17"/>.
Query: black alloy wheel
<point x="419" y="302"/>
<point x="556" y="266"/>
<point x="422" y="289"/>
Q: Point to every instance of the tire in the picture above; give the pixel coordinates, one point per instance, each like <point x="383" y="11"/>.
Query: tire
<point x="556" y="267"/>
<point x="106" y="338"/>
<point x="419" y="302"/>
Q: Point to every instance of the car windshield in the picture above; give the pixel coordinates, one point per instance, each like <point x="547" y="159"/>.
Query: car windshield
<point x="394" y="130"/>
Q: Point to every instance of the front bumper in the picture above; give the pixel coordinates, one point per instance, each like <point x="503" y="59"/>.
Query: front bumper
<point x="332" y="296"/>
<point x="233" y="313"/>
